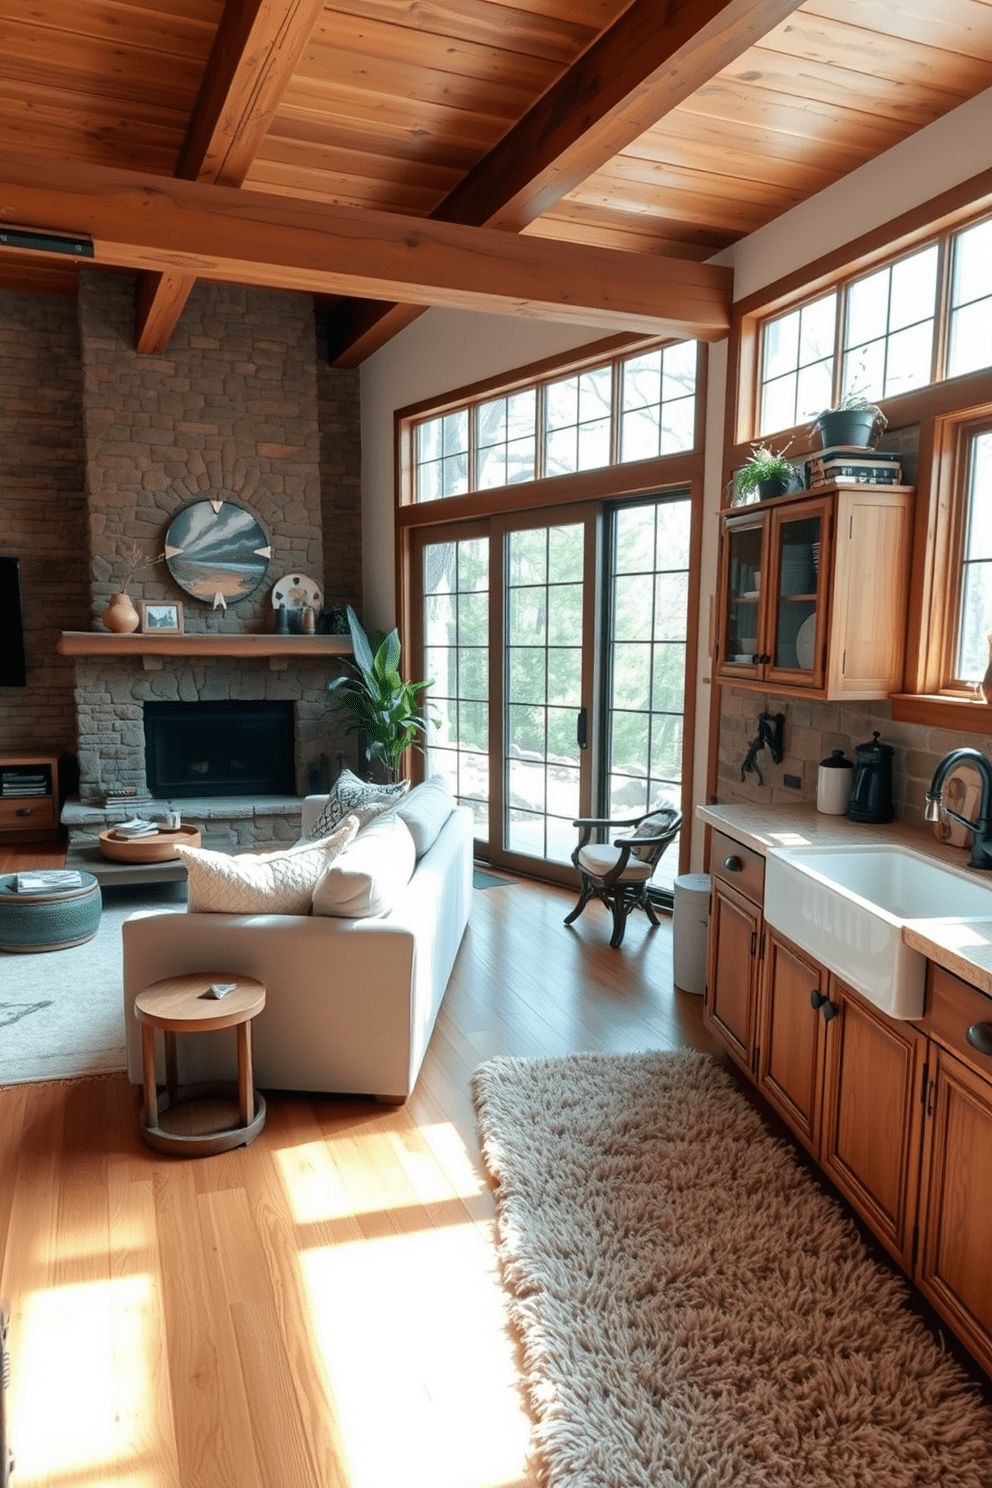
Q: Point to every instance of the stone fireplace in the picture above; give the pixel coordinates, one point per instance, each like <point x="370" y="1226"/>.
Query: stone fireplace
<point x="237" y="409"/>
<point x="220" y="749"/>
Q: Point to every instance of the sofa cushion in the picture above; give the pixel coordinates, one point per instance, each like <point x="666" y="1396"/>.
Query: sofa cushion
<point x="350" y="796"/>
<point x="425" y="811"/>
<point x="370" y="875"/>
<point x="261" y="883"/>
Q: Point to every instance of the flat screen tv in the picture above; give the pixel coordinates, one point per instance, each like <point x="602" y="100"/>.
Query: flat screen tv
<point x="12" y="670"/>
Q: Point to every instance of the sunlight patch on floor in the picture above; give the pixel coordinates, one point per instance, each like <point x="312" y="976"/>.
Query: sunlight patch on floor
<point x="411" y="1330"/>
<point x="79" y="1388"/>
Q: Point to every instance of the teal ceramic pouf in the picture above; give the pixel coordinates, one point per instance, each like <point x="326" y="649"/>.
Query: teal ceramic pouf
<point x="48" y="921"/>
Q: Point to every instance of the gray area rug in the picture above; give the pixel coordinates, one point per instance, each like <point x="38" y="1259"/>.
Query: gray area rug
<point x="62" y="1012"/>
<point x="692" y="1308"/>
<point x="483" y="879"/>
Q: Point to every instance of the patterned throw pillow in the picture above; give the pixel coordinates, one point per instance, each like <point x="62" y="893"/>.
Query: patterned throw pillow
<point x="261" y="883"/>
<point x="350" y="796"/>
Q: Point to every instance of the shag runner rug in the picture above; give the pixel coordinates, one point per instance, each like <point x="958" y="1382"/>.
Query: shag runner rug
<point x="693" y="1310"/>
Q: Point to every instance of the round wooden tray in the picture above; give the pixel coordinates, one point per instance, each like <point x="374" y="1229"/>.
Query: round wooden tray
<point x="158" y="849"/>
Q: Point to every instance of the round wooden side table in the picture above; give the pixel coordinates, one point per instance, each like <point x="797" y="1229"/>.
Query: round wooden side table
<point x="200" y="1119"/>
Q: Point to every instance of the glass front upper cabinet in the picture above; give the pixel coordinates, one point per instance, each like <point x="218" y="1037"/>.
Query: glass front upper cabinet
<point x="772" y="615"/>
<point x="796" y="631"/>
<point x="745" y="547"/>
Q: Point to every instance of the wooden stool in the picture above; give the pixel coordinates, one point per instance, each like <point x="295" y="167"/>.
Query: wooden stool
<point x="201" y="1117"/>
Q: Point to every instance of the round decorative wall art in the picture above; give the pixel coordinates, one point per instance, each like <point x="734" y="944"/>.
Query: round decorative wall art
<point x="217" y="551"/>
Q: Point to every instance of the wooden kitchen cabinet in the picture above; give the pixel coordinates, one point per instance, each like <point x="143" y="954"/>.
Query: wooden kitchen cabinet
<point x="872" y="1113"/>
<point x="954" y="1268"/>
<point x="813" y="592"/>
<point x="790" y="1039"/>
<point x="897" y="1114"/>
<point x="847" y="1080"/>
<point x="735" y="946"/>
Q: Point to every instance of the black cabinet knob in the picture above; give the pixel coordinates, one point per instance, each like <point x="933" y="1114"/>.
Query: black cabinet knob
<point x="829" y="1010"/>
<point x="816" y="998"/>
<point x="733" y="865"/>
<point x="979" y="1036"/>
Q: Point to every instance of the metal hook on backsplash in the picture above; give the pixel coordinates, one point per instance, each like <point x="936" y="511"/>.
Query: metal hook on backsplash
<point x="769" y="736"/>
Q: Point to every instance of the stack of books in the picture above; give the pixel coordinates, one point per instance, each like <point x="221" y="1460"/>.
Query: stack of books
<point x="16" y="782"/>
<point x="48" y="880"/>
<point x="849" y="465"/>
<point x="138" y="826"/>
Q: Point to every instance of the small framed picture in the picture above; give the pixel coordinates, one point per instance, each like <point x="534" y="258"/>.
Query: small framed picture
<point x="161" y="616"/>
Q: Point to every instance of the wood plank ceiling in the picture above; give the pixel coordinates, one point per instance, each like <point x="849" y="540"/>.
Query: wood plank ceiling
<point x="666" y="130"/>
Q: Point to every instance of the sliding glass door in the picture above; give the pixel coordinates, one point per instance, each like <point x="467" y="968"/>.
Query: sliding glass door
<point x="556" y="651"/>
<point x="646" y="629"/>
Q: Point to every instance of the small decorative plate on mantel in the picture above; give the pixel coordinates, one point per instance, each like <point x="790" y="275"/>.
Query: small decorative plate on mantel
<point x="296" y="592"/>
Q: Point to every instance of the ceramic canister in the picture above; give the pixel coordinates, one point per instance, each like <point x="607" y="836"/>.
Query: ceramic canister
<point x="833" y="784"/>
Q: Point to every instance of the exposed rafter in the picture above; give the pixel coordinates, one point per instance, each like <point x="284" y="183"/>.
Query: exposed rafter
<point x="651" y="59"/>
<point x="150" y="222"/>
<point x="254" y="55"/>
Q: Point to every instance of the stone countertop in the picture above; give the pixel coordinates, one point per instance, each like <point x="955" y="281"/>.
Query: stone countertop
<point x="962" y="947"/>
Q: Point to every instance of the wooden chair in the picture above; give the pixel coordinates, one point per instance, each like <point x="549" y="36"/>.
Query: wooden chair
<point x="618" y="873"/>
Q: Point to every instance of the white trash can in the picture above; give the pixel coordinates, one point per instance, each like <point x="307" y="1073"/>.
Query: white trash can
<point x="690" y="921"/>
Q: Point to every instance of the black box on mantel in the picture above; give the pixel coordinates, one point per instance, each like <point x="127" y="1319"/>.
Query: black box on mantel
<point x="852" y="466"/>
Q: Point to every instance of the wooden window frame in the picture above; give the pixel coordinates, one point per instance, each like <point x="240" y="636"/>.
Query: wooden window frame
<point x="609" y="353"/>
<point x="941" y="410"/>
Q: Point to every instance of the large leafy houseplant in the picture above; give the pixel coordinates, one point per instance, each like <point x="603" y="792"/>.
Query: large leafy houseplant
<point x="383" y="708"/>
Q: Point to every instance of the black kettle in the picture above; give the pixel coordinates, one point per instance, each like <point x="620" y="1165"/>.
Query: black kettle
<point x="871" y="788"/>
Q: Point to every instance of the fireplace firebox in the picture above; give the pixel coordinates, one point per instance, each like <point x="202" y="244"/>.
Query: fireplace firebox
<point x="220" y="749"/>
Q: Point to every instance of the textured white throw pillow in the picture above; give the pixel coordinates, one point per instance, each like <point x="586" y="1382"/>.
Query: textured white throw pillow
<point x="369" y="876"/>
<point x="425" y="811"/>
<point x="261" y="883"/>
<point x="350" y="796"/>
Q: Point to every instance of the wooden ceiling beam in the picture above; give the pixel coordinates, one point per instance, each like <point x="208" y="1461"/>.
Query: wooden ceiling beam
<point x="242" y="237"/>
<point x="255" y="53"/>
<point x="649" y="61"/>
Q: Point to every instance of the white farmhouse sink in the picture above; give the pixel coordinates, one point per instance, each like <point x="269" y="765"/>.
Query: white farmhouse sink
<point x="846" y="906"/>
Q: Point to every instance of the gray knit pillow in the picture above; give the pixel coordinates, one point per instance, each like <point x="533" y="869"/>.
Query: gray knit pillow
<point x="350" y="796"/>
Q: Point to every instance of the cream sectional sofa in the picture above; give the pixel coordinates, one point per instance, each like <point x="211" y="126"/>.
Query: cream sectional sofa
<point x="350" y="1003"/>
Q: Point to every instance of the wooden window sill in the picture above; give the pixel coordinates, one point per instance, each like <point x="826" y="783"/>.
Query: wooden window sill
<point x="962" y="714"/>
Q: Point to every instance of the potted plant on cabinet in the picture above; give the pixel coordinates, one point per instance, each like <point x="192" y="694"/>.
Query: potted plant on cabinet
<point x="383" y="708"/>
<point x="767" y="473"/>
<point x="855" y="421"/>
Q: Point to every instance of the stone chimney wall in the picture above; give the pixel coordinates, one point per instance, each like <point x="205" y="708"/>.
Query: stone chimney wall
<point x="103" y="447"/>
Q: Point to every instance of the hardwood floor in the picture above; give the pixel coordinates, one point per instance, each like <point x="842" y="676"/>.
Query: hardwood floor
<point x="322" y="1308"/>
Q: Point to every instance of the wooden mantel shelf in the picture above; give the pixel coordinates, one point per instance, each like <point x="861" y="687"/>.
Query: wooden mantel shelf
<point x="103" y="643"/>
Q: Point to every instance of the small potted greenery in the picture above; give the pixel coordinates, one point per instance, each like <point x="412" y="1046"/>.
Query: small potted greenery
<point x="767" y="473"/>
<point x="383" y="708"/>
<point x="855" y="421"/>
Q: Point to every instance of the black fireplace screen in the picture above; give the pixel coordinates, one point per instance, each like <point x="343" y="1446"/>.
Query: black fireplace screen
<point x="220" y="749"/>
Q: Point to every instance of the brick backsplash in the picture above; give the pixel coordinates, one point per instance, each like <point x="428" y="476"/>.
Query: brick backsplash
<point x="43" y="510"/>
<point x="812" y="729"/>
<point x="102" y="446"/>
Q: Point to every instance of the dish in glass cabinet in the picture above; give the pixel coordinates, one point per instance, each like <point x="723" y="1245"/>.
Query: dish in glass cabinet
<point x="750" y="594"/>
<point x="806" y="643"/>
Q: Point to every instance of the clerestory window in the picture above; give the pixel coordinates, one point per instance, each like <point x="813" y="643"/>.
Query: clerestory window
<point x="900" y="326"/>
<point x="628" y="408"/>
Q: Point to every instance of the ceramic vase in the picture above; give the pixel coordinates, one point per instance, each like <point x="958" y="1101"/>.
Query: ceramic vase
<point x="121" y="616"/>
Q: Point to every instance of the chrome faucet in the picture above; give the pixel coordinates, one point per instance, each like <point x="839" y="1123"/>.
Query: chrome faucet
<point x="981" y="830"/>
